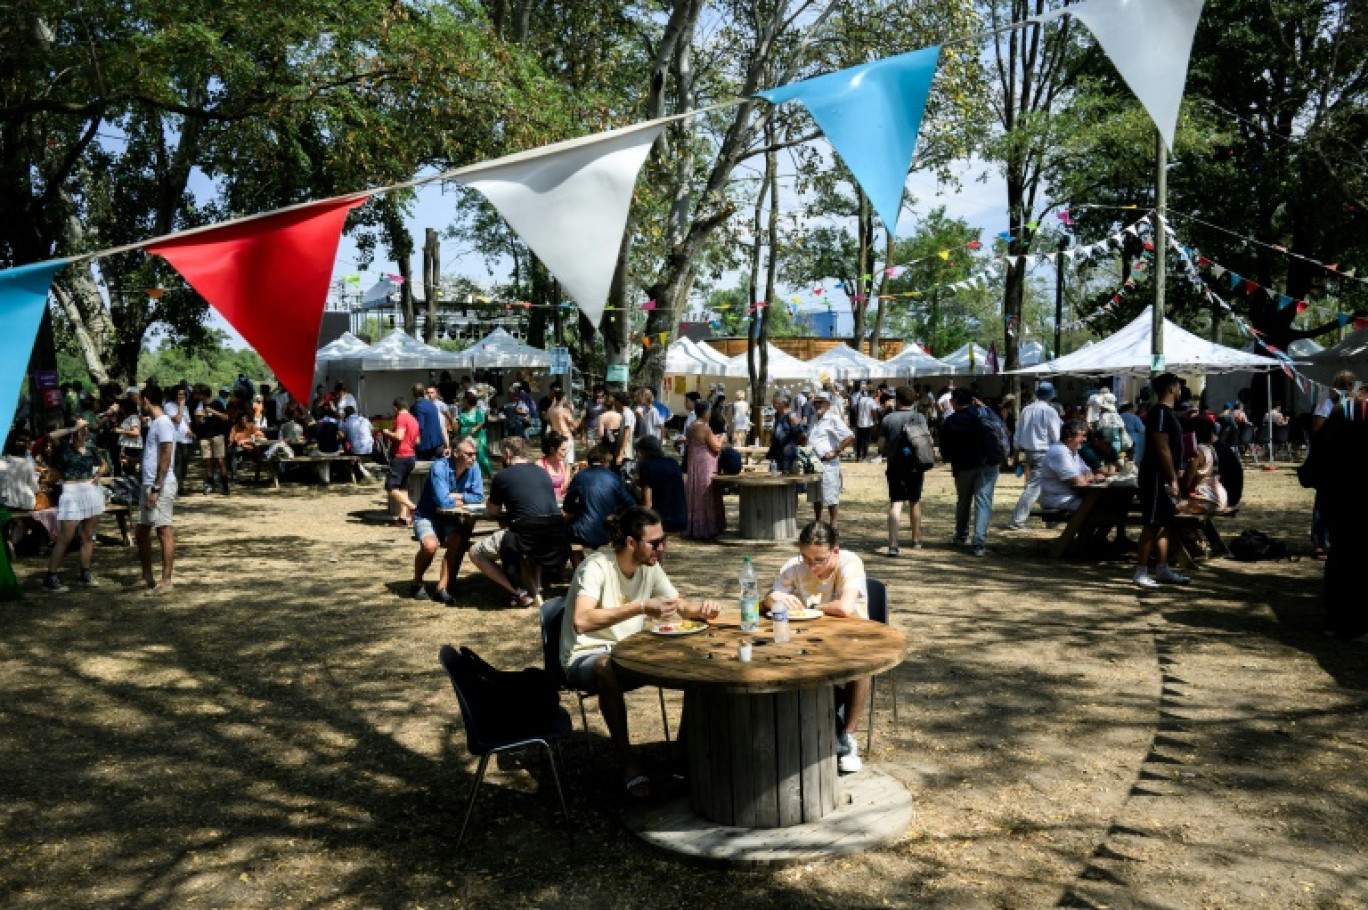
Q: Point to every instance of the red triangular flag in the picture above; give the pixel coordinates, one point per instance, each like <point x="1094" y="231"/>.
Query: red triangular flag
<point x="1360" y="322"/>
<point x="1302" y="307"/>
<point x="1250" y="287"/>
<point x="268" y="277"/>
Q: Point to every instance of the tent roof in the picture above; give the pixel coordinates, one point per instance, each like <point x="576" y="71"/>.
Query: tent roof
<point x="963" y="362"/>
<point x="399" y="351"/>
<point x="844" y="362"/>
<point x="500" y="349"/>
<point x="1030" y="353"/>
<point x="913" y="361"/>
<point x="687" y="356"/>
<point x="781" y="366"/>
<point x="344" y="345"/>
<point x="1350" y="354"/>
<point x="1128" y="351"/>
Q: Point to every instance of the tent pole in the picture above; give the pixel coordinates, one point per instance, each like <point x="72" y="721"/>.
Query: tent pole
<point x="1160" y="247"/>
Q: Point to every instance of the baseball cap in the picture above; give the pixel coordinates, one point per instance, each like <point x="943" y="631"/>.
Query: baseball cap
<point x="1045" y="390"/>
<point x="822" y="396"/>
<point x="133" y="390"/>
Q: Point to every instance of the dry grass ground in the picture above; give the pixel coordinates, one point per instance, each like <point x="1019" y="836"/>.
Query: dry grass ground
<point x="279" y="733"/>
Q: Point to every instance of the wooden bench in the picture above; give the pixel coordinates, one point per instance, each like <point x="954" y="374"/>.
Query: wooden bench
<point x="118" y="510"/>
<point x="322" y="465"/>
<point x="1185" y="552"/>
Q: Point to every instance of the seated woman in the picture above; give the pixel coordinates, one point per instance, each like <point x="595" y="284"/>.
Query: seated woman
<point x="554" y="448"/>
<point x="831" y="580"/>
<point x="662" y="484"/>
<point x="1202" y="479"/>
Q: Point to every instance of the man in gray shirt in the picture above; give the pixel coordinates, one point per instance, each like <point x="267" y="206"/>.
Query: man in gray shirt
<point x="1037" y="430"/>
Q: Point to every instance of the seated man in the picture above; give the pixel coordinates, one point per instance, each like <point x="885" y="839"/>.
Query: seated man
<point x="360" y="435"/>
<point x="610" y="597"/>
<point x="1099" y="454"/>
<point x="1064" y="471"/>
<point x="245" y="440"/>
<point x="520" y="491"/>
<point x="451" y="484"/>
<point x="325" y="433"/>
<point x="827" y="578"/>
<point x="594" y="495"/>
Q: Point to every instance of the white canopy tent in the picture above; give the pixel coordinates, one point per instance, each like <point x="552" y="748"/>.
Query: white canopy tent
<point x="500" y="350"/>
<point x="780" y="366"/>
<point x="687" y="357"/>
<point x="844" y="362"/>
<point x="1127" y="352"/>
<point x="913" y="362"/>
<point x="341" y="347"/>
<point x="386" y="369"/>
<point x="1031" y="353"/>
<point x="712" y="354"/>
<point x="969" y="360"/>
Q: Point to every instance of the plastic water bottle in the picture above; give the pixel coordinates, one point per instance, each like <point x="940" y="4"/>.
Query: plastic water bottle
<point x="779" y="613"/>
<point x="750" y="598"/>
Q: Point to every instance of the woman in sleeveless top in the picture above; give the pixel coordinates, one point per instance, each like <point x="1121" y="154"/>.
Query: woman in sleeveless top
<point x="553" y="462"/>
<point x="82" y="503"/>
<point x="707" y="518"/>
<point x="1202" y="479"/>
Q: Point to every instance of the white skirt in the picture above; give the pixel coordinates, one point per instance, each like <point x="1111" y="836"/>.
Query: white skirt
<point x="80" y="501"/>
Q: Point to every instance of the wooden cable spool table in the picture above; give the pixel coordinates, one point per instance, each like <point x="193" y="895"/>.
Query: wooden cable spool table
<point x="768" y="503"/>
<point x="761" y="741"/>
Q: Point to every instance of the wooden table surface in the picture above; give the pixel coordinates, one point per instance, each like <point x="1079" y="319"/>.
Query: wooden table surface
<point x="766" y="479"/>
<point x="829" y="650"/>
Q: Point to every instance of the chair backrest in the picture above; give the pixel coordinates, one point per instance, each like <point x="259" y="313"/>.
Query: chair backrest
<point x="1246" y="434"/>
<point x="878" y="600"/>
<point x="455" y="663"/>
<point x="552" y="616"/>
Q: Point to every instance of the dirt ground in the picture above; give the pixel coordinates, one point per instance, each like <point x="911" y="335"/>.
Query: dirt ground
<point x="279" y="734"/>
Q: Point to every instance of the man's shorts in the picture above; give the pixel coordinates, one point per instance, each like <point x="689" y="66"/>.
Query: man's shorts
<point x="213" y="447"/>
<point x="905" y="486"/>
<point x="399" y="471"/>
<point x="161" y="516"/>
<point x="580" y="674"/>
<point x="488" y="547"/>
<point x="438" y="528"/>
<point x="1156" y="506"/>
<point x="827" y="490"/>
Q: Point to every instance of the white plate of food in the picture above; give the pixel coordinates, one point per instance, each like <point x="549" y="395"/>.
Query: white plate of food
<point x="803" y="615"/>
<point x="679" y="627"/>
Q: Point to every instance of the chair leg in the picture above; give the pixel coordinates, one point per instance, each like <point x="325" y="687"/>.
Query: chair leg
<point x="584" y="718"/>
<point x="665" y="722"/>
<point x="869" y="735"/>
<point x="470" y="804"/>
<point x="555" y="776"/>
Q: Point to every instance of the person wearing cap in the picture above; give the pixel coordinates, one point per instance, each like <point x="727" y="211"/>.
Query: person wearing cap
<point x="829" y="437"/>
<point x="1037" y="429"/>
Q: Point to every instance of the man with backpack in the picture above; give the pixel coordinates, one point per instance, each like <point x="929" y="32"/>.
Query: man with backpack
<point x="974" y="442"/>
<point x="905" y="443"/>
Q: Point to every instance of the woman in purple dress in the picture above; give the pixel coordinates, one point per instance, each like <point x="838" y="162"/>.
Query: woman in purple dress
<point x="707" y="518"/>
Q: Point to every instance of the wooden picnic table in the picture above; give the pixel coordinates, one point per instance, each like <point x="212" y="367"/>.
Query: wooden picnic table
<point x="768" y="503"/>
<point x="322" y="465"/>
<point x="761" y="735"/>
<point x="1104" y="506"/>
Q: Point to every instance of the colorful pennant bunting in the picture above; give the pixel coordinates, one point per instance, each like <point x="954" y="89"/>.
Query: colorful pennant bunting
<point x="23" y="297"/>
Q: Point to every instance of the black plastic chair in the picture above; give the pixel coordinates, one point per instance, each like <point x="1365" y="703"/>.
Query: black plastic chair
<point x="503" y="711"/>
<point x="878" y="611"/>
<point x="552" y="618"/>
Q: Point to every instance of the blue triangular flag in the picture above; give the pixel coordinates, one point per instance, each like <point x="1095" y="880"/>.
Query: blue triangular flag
<point x="1284" y="301"/>
<point x="1235" y="280"/>
<point x="1342" y="318"/>
<point x="871" y="114"/>
<point x="23" y="295"/>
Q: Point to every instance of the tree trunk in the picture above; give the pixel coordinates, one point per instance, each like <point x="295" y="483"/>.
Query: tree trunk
<point x="432" y="270"/>
<point x="406" y="297"/>
<point x="876" y="333"/>
<point x="771" y="271"/>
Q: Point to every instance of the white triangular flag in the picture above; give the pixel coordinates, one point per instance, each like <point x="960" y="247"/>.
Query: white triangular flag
<point x="569" y="204"/>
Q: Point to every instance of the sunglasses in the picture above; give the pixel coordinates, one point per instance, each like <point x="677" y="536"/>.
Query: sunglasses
<point x="657" y="544"/>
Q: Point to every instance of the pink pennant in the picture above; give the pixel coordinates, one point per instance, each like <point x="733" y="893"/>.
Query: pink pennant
<point x="649" y="305"/>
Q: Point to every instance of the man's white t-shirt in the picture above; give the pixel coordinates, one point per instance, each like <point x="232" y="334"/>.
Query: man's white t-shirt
<point x="866" y="411"/>
<point x="946" y="405"/>
<point x="795" y="578"/>
<point x="183" y="428"/>
<point x="600" y="578"/>
<point x="161" y="430"/>
<point x="1061" y="466"/>
<point x="359" y="434"/>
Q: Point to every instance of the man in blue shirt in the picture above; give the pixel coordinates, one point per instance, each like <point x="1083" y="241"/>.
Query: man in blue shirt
<point x="453" y="483"/>
<point x="432" y="435"/>
<point x="593" y="495"/>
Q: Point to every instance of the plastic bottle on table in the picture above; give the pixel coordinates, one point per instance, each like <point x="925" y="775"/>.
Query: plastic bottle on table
<point x="779" y="613"/>
<point x="750" y="598"/>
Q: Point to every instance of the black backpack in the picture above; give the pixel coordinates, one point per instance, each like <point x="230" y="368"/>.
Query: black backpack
<point x="916" y="443"/>
<point x="996" y="446"/>
<point x="1253" y="546"/>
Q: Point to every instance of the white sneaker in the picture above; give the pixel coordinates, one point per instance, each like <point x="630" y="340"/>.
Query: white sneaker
<point x="1172" y="578"/>
<point x="1145" y="581"/>
<point x="847" y="754"/>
